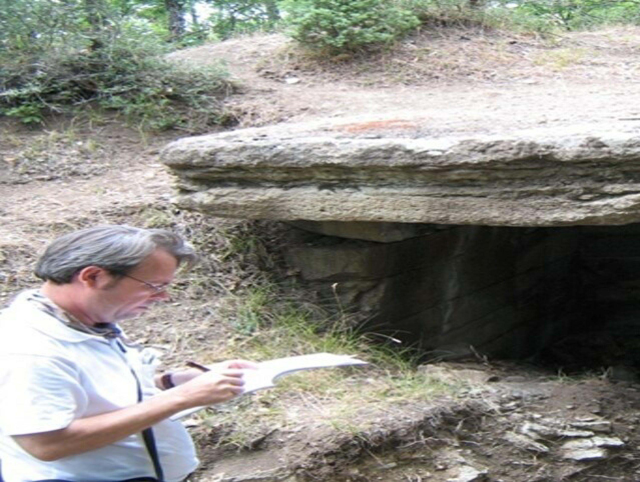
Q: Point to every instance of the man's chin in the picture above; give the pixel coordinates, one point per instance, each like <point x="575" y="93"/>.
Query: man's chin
<point x="135" y="313"/>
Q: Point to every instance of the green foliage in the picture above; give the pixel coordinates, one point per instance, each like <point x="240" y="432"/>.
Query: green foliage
<point x="36" y="25"/>
<point x="526" y="15"/>
<point x="443" y="12"/>
<point x="348" y="25"/>
<point x="232" y="17"/>
<point x="125" y="74"/>
<point x="576" y="14"/>
<point x="66" y="57"/>
<point x="28" y="113"/>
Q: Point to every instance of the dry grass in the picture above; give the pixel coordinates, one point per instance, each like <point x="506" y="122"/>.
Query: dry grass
<point x="54" y="155"/>
<point x="463" y="52"/>
<point x="438" y="54"/>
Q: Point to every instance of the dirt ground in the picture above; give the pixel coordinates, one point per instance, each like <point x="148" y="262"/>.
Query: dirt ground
<point x="511" y="422"/>
<point x="462" y="81"/>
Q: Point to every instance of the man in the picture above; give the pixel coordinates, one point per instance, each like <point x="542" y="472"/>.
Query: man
<point x="77" y="401"/>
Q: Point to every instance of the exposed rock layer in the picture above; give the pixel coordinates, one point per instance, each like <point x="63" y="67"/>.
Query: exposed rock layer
<point x="398" y="171"/>
<point x="434" y="263"/>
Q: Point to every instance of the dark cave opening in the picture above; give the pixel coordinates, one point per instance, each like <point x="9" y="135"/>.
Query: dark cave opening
<point x="566" y="297"/>
<point x="604" y="334"/>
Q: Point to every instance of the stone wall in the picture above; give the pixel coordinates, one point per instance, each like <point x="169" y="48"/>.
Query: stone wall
<point x="505" y="291"/>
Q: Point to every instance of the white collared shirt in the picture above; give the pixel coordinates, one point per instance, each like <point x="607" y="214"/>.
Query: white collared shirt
<point x="51" y="375"/>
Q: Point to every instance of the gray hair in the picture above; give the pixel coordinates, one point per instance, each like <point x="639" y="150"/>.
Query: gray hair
<point x="118" y="249"/>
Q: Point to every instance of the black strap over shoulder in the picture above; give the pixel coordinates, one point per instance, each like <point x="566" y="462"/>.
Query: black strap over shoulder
<point x="150" y="442"/>
<point x="149" y="439"/>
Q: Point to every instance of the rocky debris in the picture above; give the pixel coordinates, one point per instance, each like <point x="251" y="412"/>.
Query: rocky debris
<point x="592" y="424"/>
<point x="593" y="442"/>
<point x="469" y="474"/>
<point x="586" y="454"/>
<point x="578" y="445"/>
<point x="513" y="428"/>
<point x="399" y="170"/>
<point x="554" y="430"/>
<point x="524" y="442"/>
<point x="590" y="449"/>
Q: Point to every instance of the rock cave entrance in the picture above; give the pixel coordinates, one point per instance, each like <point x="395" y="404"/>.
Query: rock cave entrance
<point x="504" y="243"/>
<point x="569" y="295"/>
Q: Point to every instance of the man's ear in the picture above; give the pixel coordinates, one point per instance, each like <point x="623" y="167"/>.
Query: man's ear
<point x="93" y="277"/>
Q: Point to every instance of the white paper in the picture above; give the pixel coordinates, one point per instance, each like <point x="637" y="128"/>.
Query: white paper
<point x="267" y="372"/>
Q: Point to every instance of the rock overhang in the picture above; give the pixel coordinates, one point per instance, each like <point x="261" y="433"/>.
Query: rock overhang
<point x="404" y="170"/>
<point x="422" y="245"/>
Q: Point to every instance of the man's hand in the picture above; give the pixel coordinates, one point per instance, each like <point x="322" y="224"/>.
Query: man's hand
<point x="196" y="388"/>
<point x="181" y="377"/>
<point x="212" y="387"/>
<point x="222" y="382"/>
<point x="239" y="364"/>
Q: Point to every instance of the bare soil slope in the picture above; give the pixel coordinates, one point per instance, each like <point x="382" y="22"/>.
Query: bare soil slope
<point x="509" y="423"/>
<point x="463" y="81"/>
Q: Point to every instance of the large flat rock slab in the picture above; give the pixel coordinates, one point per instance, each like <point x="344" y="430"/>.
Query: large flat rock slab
<point x="407" y="170"/>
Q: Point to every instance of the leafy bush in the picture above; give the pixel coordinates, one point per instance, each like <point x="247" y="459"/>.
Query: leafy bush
<point x="348" y="25"/>
<point x="544" y="16"/>
<point x="121" y="75"/>
<point x="240" y="17"/>
<point x="32" y="25"/>
<point x="447" y="12"/>
<point x="576" y="14"/>
<point x="116" y="64"/>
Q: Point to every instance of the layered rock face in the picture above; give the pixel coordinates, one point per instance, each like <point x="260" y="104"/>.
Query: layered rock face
<point x="476" y="244"/>
<point x="397" y="171"/>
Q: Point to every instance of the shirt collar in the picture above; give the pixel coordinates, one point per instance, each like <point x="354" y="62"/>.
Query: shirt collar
<point x="47" y="320"/>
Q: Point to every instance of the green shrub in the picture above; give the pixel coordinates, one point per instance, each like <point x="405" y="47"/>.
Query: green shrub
<point x="31" y="25"/>
<point x="241" y="17"/>
<point x="543" y="16"/>
<point x="122" y="75"/>
<point x="28" y="113"/>
<point x="580" y="14"/>
<point x="116" y="64"/>
<point x="347" y="25"/>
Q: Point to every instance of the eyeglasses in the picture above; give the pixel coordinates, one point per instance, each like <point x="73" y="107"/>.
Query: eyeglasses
<point x="155" y="288"/>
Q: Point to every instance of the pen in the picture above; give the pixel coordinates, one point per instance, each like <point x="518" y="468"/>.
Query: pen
<point x="193" y="364"/>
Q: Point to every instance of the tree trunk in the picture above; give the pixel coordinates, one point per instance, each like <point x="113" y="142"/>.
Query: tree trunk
<point x="193" y="13"/>
<point x="95" y="14"/>
<point x="175" y="12"/>
<point x="273" y="13"/>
